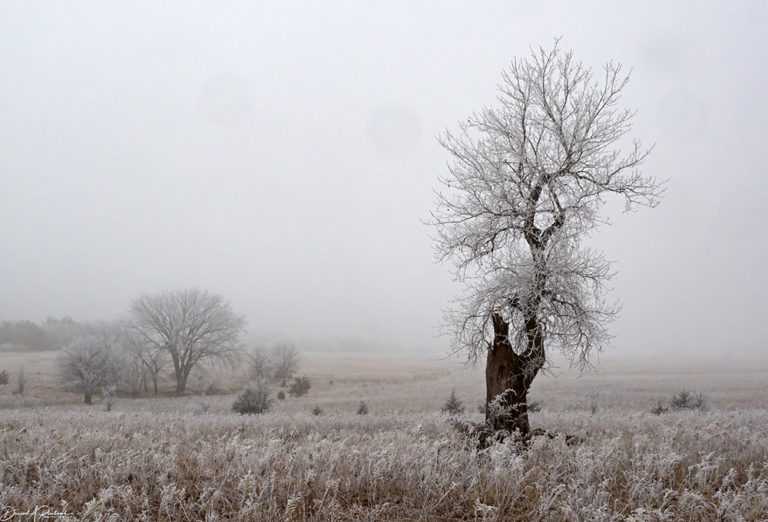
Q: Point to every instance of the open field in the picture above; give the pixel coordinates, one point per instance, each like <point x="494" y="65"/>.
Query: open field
<point x="191" y="458"/>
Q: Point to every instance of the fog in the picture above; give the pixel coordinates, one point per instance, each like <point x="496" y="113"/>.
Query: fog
<point x="284" y="156"/>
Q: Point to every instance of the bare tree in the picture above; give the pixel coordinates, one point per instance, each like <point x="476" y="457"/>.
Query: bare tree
<point x="260" y="365"/>
<point x="191" y="326"/>
<point x="524" y="188"/>
<point x="285" y="361"/>
<point x="146" y="359"/>
<point x="88" y="362"/>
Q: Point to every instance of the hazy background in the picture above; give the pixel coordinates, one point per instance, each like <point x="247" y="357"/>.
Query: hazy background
<point x="285" y="155"/>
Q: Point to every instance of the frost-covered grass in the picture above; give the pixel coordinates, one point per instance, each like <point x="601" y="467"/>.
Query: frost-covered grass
<point x="193" y="459"/>
<point x="185" y="466"/>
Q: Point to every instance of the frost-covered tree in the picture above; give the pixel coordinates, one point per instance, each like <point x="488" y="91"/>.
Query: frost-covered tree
<point x="89" y="361"/>
<point x="525" y="186"/>
<point x="285" y="361"/>
<point x="190" y="326"/>
<point x="145" y="359"/>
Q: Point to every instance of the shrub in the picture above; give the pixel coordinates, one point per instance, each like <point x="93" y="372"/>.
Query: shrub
<point x="317" y="410"/>
<point x="252" y="401"/>
<point x="453" y="405"/>
<point x="300" y="386"/>
<point x="594" y="402"/>
<point x="686" y="400"/>
<point x="660" y="408"/>
<point x="214" y="390"/>
<point x="4" y="377"/>
<point x="281" y="395"/>
<point x="362" y="408"/>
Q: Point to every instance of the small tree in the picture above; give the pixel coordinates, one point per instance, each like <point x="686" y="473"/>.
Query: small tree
<point x="21" y="382"/>
<point x="453" y="406"/>
<point x="109" y="392"/>
<point x="524" y="188"/>
<point x="146" y="359"/>
<point x="88" y="363"/>
<point x="285" y="361"/>
<point x="190" y="326"/>
<point x="686" y="400"/>
<point x="260" y="365"/>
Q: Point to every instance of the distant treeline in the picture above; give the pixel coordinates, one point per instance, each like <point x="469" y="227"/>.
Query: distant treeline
<point x="27" y="336"/>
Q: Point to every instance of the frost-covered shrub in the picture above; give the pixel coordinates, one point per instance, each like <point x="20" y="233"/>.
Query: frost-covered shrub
<point x="659" y="408"/>
<point x="252" y="401"/>
<point x="362" y="408"/>
<point x="3" y="377"/>
<point x="317" y="410"/>
<point x="213" y="389"/>
<point x="299" y="386"/>
<point x="686" y="400"/>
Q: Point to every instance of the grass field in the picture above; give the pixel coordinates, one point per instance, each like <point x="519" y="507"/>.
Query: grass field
<point x="191" y="458"/>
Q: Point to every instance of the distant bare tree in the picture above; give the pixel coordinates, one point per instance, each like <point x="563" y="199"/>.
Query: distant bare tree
<point x="88" y="362"/>
<point x="147" y="359"/>
<point x="524" y="187"/>
<point x="285" y="361"/>
<point x="260" y="365"/>
<point x="190" y="326"/>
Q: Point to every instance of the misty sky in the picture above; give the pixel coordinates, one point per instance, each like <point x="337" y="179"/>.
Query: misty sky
<point x="284" y="156"/>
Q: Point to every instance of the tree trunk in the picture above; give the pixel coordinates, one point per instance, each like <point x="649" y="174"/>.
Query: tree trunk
<point x="181" y="385"/>
<point x="508" y="378"/>
<point x="154" y="383"/>
<point x="88" y="398"/>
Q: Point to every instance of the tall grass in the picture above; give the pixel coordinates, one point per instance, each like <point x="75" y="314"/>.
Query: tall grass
<point x="145" y="465"/>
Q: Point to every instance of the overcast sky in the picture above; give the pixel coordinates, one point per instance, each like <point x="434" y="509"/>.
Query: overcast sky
<point x="284" y="155"/>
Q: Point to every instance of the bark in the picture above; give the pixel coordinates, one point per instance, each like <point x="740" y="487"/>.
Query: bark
<point x="508" y="377"/>
<point x="181" y="384"/>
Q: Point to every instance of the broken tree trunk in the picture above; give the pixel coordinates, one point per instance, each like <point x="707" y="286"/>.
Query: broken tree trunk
<point x="508" y="377"/>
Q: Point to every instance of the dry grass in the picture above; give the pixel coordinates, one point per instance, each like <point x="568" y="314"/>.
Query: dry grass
<point x="192" y="459"/>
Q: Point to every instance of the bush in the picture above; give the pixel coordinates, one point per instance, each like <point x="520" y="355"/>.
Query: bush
<point x="4" y="377"/>
<point x="362" y="408"/>
<point x="300" y="386"/>
<point x="252" y="401"/>
<point x="686" y="400"/>
<point x="453" y="406"/>
<point x="317" y="410"/>
<point x="214" y="390"/>
<point x="660" y="408"/>
<point x="281" y="395"/>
